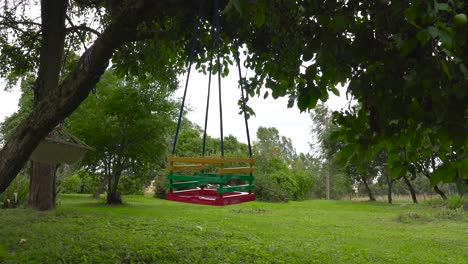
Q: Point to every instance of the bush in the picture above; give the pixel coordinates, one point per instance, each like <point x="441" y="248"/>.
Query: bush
<point x="77" y="182"/>
<point x="160" y="186"/>
<point x="455" y="202"/>
<point x="71" y="184"/>
<point x="16" y="194"/>
<point x="267" y="188"/>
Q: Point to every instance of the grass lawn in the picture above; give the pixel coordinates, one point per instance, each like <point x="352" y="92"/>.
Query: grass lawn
<point x="148" y="230"/>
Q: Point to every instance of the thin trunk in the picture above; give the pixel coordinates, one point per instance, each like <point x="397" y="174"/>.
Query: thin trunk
<point x="369" y="192"/>
<point x="440" y="192"/>
<point x="436" y="188"/>
<point x="42" y="197"/>
<point x="411" y="189"/>
<point x="389" y="192"/>
<point x="42" y="188"/>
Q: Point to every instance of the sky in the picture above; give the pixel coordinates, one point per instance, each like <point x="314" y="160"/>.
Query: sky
<point x="269" y="112"/>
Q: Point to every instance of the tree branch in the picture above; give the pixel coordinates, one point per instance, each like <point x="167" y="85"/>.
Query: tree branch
<point x="76" y="31"/>
<point x="83" y="28"/>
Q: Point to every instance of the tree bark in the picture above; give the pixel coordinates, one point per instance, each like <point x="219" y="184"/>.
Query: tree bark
<point x="369" y="191"/>
<point x="50" y="61"/>
<point x="62" y="100"/>
<point x="389" y="192"/>
<point x="42" y="191"/>
<point x="113" y="195"/>
<point x="411" y="189"/>
<point x="440" y="192"/>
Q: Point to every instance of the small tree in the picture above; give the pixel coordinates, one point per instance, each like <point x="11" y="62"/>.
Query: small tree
<point x="127" y="122"/>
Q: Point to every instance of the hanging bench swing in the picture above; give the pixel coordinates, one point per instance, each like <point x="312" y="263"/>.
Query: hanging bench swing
<point x="60" y="147"/>
<point x="211" y="180"/>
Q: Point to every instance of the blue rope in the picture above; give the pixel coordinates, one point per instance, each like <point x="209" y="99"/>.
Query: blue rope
<point x="192" y="53"/>
<point x="236" y="44"/>
<point x="216" y="20"/>
<point x="209" y="91"/>
<point x="96" y="74"/>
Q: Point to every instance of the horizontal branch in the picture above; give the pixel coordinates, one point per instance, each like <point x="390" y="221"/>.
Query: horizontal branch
<point x="82" y="28"/>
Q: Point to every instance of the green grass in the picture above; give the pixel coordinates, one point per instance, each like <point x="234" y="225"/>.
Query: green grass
<point x="148" y="230"/>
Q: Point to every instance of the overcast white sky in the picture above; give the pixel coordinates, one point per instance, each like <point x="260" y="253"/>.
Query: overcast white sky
<point x="269" y="112"/>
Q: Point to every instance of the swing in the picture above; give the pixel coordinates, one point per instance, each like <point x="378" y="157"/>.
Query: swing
<point x="211" y="180"/>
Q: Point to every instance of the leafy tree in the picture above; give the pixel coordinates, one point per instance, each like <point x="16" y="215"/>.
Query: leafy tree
<point x="280" y="173"/>
<point x="128" y="124"/>
<point x="333" y="180"/>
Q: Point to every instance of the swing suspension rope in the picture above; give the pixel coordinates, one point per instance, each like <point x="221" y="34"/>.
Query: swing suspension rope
<point x="215" y="43"/>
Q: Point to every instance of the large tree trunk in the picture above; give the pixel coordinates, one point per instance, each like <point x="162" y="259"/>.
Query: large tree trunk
<point x="42" y="186"/>
<point x="411" y="189"/>
<point x="113" y="195"/>
<point x="42" y="180"/>
<point x="369" y="191"/>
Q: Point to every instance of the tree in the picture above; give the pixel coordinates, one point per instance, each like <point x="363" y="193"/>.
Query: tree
<point x="404" y="62"/>
<point x="426" y="166"/>
<point x="281" y="174"/>
<point x="333" y="177"/>
<point x="128" y="124"/>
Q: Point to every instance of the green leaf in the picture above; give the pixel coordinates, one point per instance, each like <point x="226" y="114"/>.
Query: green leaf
<point x="408" y="46"/>
<point x="412" y="13"/>
<point x="396" y="171"/>
<point x="443" y="7"/>
<point x="230" y="5"/>
<point x="423" y="36"/>
<point x="445" y="173"/>
<point x="446" y="69"/>
<point x="335" y="91"/>
<point x="259" y="18"/>
<point x="345" y="153"/>
<point x="464" y="70"/>
<point x="265" y="95"/>
<point x="433" y="31"/>
<point x="214" y="69"/>
<point x="462" y="167"/>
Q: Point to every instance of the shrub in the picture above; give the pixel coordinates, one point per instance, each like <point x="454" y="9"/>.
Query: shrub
<point x="160" y="186"/>
<point x="77" y="182"/>
<point x="268" y="188"/>
<point x="455" y="202"/>
<point x="70" y="184"/>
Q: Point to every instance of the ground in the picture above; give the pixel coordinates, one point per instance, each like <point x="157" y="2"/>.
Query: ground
<point x="148" y="230"/>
